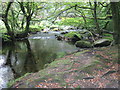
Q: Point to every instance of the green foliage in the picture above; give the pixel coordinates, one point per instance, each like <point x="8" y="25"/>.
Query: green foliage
<point x="71" y="21"/>
<point x="35" y="28"/>
<point x="72" y="34"/>
<point x="90" y="23"/>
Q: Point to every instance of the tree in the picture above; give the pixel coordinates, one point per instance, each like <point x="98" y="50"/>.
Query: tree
<point x="115" y="8"/>
<point x="17" y="17"/>
<point x="5" y="19"/>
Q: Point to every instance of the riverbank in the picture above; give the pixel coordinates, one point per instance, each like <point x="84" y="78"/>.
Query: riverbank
<point x="89" y="68"/>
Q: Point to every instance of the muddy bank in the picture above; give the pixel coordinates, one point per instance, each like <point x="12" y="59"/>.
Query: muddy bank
<point x="90" y="68"/>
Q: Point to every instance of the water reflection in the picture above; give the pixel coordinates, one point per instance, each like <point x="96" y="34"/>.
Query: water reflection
<point x="20" y="58"/>
<point x="31" y="55"/>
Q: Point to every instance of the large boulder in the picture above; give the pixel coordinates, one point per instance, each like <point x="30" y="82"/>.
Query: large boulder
<point x="83" y="44"/>
<point x="102" y="42"/>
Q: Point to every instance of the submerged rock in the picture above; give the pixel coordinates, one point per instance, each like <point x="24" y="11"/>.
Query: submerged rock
<point x="102" y="42"/>
<point x="83" y="44"/>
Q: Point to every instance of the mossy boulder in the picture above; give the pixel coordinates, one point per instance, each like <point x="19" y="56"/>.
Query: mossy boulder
<point x="83" y="44"/>
<point x="74" y="36"/>
<point x="87" y="35"/>
<point x="102" y="42"/>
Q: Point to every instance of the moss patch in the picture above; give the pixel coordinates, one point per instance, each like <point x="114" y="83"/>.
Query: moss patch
<point x="83" y="44"/>
<point x="78" y="53"/>
<point x="59" y="62"/>
<point x="16" y="80"/>
<point x="72" y="34"/>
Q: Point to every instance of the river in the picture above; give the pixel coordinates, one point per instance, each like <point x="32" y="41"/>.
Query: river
<point x="31" y="55"/>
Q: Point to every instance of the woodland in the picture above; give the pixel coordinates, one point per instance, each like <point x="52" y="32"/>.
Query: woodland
<point x="60" y="44"/>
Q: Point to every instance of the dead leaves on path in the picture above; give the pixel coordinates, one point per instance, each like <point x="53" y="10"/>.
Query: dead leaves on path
<point x="48" y="85"/>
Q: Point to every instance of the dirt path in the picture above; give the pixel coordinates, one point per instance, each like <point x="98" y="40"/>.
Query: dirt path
<point x="79" y="70"/>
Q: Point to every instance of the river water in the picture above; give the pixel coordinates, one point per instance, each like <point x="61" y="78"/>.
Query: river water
<point x="21" y="57"/>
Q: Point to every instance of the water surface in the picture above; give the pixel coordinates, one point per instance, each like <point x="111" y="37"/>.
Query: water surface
<point x="21" y="57"/>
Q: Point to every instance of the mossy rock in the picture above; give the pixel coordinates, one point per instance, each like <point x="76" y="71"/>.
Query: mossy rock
<point x="83" y="44"/>
<point x="59" y="62"/>
<point x="102" y="42"/>
<point x="73" y="36"/>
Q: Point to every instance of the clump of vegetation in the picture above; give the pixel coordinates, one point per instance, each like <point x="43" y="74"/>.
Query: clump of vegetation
<point x="71" y="21"/>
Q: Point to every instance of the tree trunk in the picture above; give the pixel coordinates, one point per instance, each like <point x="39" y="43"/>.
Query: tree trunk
<point x="95" y="18"/>
<point x="115" y="7"/>
<point x="5" y="20"/>
<point x="27" y="28"/>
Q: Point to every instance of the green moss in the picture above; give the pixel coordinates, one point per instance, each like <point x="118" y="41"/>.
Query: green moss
<point x="93" y="65"/>
<point x="108" y="35"/>
<point x="72" y="34"/>
<point x="11" y="82"/>
<point x="83" y="44"/>
<point x="78" y="53"/>
<point x="109" y="38"/>
<point x="97" y="62"/>
<point x="61" y="54"/>
<point x="58" y="62"/>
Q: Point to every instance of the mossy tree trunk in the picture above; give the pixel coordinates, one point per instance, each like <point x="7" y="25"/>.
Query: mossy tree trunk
<point x="115" y="8"/>
<point x="95" y="18"/>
